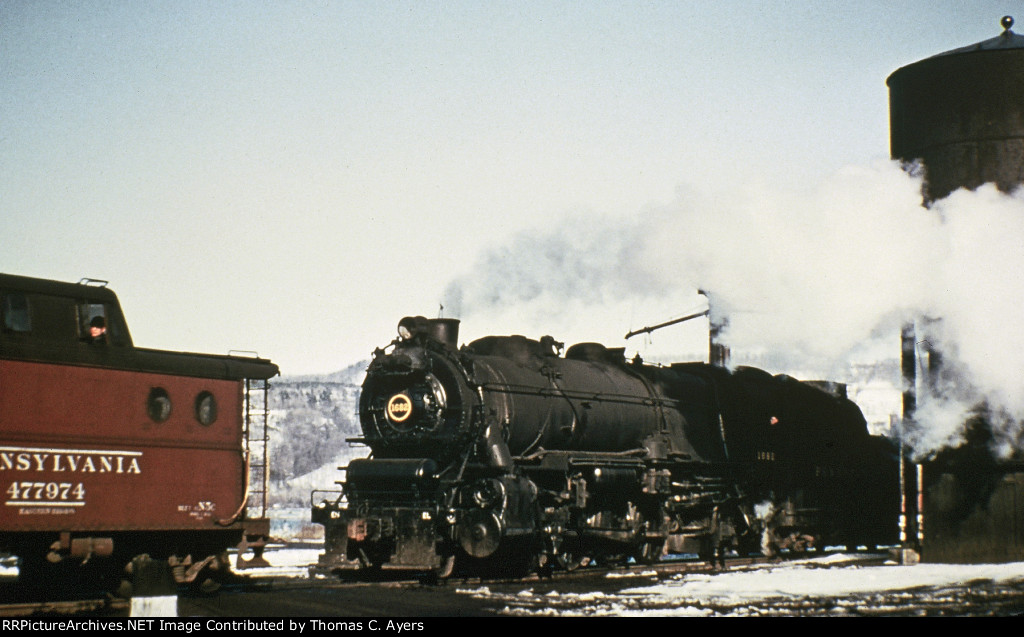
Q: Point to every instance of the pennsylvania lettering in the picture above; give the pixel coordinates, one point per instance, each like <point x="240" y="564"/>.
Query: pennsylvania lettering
<point x="69" y="460"/>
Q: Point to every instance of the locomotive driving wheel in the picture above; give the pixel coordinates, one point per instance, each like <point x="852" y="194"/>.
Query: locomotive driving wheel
<point x="480" y="533"/>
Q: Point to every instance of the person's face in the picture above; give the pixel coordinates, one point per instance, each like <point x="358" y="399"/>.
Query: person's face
<point x="97" y="331"/>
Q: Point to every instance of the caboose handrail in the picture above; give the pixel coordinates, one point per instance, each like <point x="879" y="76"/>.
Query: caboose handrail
<point x="97" y="282"/>
<point x="245" y="498"/>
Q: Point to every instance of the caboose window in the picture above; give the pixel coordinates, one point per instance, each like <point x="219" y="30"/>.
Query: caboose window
<point x="206" y="408"/>
<point x="15" y="309"/>
<point x="158" y="405"/>
<point x="95" y="324"/>
<point x="88" y="313"/>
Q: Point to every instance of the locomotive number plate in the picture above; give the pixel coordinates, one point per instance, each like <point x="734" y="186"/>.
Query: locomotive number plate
<point x="399" y="408"/>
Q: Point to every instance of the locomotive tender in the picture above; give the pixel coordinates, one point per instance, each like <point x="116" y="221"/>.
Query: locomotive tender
<point x="506" y="456"/>
<point x="117" y="459"/>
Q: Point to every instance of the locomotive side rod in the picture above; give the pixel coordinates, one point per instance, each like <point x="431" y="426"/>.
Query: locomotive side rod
<point x="648" y="330"/>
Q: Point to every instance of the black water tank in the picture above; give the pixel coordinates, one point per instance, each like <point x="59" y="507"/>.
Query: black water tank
<point x="962" y="114"/>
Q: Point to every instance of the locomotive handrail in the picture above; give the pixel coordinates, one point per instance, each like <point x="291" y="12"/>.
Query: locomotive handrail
<point x="579" y="395"/>
<point x="632" y="453"/>
<point x="321" y="492"/>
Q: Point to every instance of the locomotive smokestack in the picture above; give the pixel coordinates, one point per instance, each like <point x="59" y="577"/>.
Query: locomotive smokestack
<point x="444" y="330"/>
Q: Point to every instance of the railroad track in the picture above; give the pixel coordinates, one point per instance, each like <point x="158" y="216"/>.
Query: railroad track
<point x="589" y="571"/>
<point x="589" y="576"/>
<point x="65" y="608"/>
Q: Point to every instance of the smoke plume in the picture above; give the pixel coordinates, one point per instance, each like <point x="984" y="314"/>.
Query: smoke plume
<point x="814" y="274"/>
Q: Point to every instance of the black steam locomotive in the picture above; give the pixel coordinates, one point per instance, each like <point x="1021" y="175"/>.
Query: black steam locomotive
<point x="506" y="456"/>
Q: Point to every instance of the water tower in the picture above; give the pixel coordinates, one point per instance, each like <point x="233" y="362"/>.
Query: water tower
<point x="959" y="117"/>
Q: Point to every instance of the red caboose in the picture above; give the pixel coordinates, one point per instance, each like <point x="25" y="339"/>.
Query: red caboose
<point x="109" y="452"/>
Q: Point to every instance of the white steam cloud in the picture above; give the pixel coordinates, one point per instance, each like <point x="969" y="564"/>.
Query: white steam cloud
<point x="813" y="274"/>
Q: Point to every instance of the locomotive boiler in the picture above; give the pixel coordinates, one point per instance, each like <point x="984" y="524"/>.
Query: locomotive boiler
<point x="508" y="454"/>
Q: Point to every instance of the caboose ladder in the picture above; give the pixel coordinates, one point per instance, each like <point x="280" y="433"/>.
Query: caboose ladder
<point x="256" y="440"/>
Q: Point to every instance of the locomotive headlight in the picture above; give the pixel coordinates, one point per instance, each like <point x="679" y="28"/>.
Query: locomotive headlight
<point x="409" y="407"/>
<point x="409" y="326"/>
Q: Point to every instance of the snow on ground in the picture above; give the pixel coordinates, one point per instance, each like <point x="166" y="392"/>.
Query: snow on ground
<point x="833" y="584"/>
<point x="810" y="578"/>
<point x="8" y="566"/>
<point x="836" y="584"/>
<point x="284" y="562"/>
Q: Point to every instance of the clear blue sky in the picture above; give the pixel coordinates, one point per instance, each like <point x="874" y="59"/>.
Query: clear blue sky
<point x="293" y="177"/>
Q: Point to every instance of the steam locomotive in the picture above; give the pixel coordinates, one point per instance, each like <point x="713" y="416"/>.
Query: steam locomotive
<point x="508" y="456"/>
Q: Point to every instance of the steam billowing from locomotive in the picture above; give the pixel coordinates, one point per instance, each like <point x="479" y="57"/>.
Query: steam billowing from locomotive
<point x="818" y="275"/>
